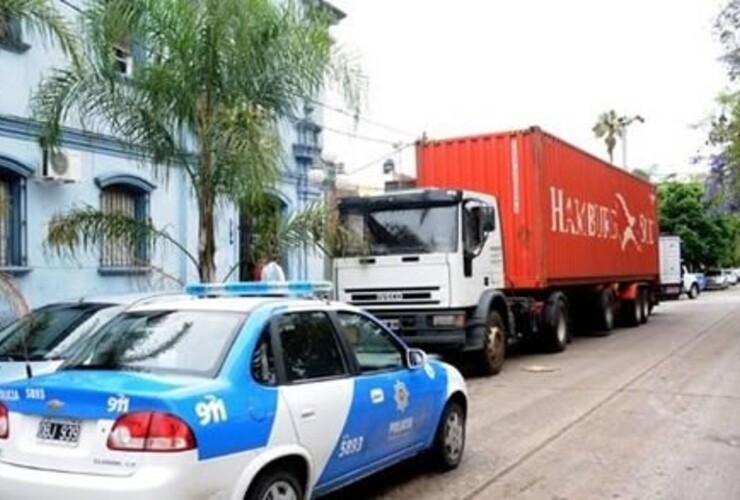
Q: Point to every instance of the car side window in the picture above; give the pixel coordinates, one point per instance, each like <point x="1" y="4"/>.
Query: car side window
<point x="310" y="348"/>
<point x="263" y="361"/>
<point x="374" y="348"/>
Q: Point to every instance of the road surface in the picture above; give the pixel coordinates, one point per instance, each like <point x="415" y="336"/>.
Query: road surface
<point x="650" y="412"/>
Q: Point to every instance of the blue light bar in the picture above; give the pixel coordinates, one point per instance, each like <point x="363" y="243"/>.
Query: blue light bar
<point x="259" y="289"/>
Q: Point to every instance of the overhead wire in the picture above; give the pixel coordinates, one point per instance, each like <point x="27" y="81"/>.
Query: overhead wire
<point x="395" y="151"/>
<point x="359" y="117"/>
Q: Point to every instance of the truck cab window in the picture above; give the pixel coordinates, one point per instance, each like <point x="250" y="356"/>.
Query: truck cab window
<point x="473" y="235"/>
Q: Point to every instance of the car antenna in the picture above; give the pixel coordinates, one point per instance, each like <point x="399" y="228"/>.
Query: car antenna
<point x="29" y="370"/>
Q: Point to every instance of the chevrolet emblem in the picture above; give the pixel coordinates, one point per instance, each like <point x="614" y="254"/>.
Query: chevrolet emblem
<point x="55" y="405"/>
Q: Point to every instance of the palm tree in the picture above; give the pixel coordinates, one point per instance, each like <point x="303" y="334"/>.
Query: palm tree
<point x="607" y="128"/>
<point x="211" y="80"/>
<point x="39" y="17"/>
<point x="612" y="127"/>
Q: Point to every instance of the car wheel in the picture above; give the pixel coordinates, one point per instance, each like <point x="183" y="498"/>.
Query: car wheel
<point x="694" y="291"/>
<point x="449" y="442"/>
<point x="276" y="485"/>
<point x="491" y="358"/>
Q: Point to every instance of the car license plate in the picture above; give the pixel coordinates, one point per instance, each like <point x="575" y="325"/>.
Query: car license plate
<point x="63" y="432"/>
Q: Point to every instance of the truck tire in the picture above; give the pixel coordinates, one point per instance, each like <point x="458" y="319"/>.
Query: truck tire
<point x="606" y="312"/>
<point x="644" y="305"/>
<point x="490" y="359"/>
<point x="693" y="291"/>
<point x="632" y="311"/>
<point x="557" y="333"/>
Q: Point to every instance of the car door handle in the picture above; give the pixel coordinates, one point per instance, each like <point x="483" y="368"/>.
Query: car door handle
<point x="377" y="396"/>
<point x="308" y="413"/>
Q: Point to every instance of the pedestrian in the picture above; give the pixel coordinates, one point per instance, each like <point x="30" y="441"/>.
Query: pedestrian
<point x="272" y="271"/>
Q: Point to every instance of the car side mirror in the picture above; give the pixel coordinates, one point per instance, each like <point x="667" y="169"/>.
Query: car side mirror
<point x="416" y="358"/>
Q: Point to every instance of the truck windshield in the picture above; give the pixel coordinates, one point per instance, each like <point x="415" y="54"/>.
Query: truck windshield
<point x="399" y="231"/>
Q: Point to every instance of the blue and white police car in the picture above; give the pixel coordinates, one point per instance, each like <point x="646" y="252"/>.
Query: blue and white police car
<point x="239" y="391"/>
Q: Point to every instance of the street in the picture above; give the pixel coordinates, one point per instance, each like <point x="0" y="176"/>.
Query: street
<point x="651" y="412"/>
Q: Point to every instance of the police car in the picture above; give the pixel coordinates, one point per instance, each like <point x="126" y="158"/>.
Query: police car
<point x="239" y="391"/>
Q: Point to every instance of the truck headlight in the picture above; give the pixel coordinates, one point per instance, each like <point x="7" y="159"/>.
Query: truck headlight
<point x="456" y="320"/>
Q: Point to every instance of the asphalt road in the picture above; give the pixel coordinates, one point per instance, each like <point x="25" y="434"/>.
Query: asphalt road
<point x="650" y="412"/>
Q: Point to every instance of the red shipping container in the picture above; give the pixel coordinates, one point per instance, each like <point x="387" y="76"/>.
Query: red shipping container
<point x="568" y="217"/>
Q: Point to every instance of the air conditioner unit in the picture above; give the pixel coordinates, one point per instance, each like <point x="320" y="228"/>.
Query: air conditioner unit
<point x="61" y="165"/>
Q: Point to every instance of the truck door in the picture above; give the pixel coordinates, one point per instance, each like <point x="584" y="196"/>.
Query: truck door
<point x="482" y="252"/>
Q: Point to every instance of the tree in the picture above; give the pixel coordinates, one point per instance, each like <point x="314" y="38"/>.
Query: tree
<point x="39" y="17"/>
<point x="611" y="127"/>
<point x="210" y="83"/>
<point x="708" y="236"/>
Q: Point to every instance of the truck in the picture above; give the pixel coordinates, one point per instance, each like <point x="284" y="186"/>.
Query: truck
<point x="508" y="237"/>
<point x="675" y="278"/>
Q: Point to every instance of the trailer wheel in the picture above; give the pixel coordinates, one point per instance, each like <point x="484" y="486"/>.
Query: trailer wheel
<point x="557" y="334"/>
<point x="644" y="306"/>
<point x="607" y="313"/>
<point x="490" y="359"/>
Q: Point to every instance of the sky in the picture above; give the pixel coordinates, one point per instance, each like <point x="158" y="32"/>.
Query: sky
<point x="475" y="66"/>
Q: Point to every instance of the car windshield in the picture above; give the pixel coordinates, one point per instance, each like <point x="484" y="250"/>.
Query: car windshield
<point x="400" y="231"/>
<point x="191" y="342"/>
<point x="39" y="335"/>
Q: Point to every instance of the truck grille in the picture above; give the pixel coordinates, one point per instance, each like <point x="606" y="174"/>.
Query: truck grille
<point x="393" y="296"/>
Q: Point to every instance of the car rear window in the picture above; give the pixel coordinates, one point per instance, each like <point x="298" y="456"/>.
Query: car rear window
<point x="190" y="342"/>
<point x="33" y="336"/>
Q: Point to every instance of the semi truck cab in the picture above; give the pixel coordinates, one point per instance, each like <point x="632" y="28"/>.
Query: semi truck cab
<point x="430" y="264"/>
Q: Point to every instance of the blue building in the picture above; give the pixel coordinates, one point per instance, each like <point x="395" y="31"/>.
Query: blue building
<point x="100" y="172"/>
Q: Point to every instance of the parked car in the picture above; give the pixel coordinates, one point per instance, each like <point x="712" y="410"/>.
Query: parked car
<point x="701" y="279"/>
<point x="717" y="280"/>
<point x="39" y="342"/>
<point x="732" y="276"/>
<point x="217" y="396"/>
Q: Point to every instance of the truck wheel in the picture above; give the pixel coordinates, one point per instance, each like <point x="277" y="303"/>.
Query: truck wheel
<point x="606" y="312"/>
<point x="632" y="311"/>
<point x="694" y="291"/>
<point x="490" y="360"/>
<point x="449" y="441"/>
<point x="644" y="306"/>
<point x="558" y="331"/>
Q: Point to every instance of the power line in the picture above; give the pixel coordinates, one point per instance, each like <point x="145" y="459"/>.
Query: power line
<point x="384" y="157"/>
<point x="357" y="116"/>
<point x="358" y="136"/>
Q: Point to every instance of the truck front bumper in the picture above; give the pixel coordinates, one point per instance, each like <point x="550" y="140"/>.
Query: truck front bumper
<point x="417" y="329"/>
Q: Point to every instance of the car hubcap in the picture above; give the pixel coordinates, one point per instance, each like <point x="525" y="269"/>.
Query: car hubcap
<point x="454" y="436"/>
<point x="280" y="490"/>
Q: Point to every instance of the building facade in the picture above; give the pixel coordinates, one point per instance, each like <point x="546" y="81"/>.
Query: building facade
<point x="97" y="171"/>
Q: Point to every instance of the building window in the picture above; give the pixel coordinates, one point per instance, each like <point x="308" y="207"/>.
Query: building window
<point x="123" y="60"/>
<point x="12" y="223"/>
<point x="11" y="35"/>
<point x="133" y="203"/>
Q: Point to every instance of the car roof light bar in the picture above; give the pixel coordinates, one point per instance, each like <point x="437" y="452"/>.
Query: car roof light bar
<point x="260" y="289"/>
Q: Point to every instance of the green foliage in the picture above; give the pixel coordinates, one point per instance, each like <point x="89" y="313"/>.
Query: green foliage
<point x="708" y="236"/>
<point x="211" y="80"/>
<point x="612" y="127"/>
<point x="41" y="18"/>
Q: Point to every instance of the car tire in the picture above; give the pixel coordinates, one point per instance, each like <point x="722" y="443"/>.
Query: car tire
<point x="449" y="440"/>
<point x="557" y="332"/>
<point x="275" y="484"/>
<point x="490" y="360"/>
<point x="606" y="311"/>
<point x="693" y="291"/>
